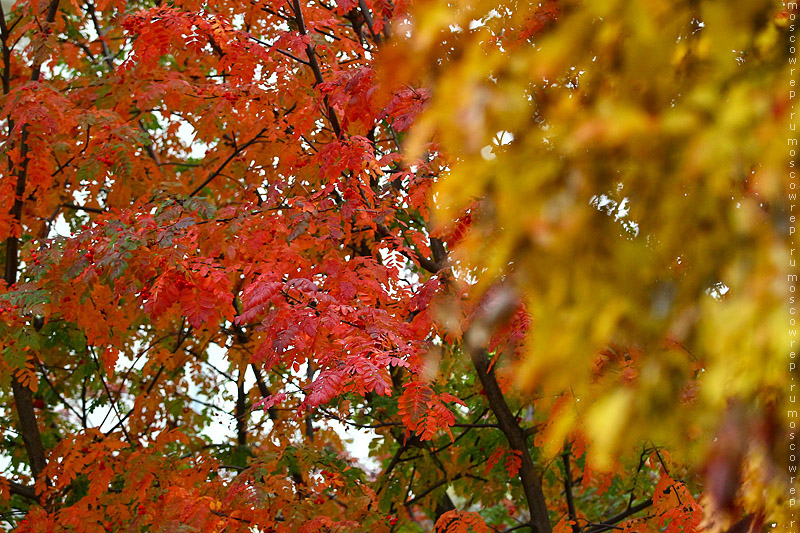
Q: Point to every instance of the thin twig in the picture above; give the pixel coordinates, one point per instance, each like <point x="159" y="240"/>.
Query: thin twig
<point x="230" y="158"/>
<point x="573" y="515"/>
<point x="607" y="524"/>
<point x="86" y="208"/>
<point x="314" y="65"/>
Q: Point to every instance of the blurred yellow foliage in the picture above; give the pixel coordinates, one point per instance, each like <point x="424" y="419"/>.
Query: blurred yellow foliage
<point x="630" y="161"/>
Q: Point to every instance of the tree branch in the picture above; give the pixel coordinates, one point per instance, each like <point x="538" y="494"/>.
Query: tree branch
<point x="387" y="472"/>
<point x="23" y="397"/>
<point x="430" y="489"/>
<point x="55" y="391"/>
<point x="88" y="209"/>
<point x="368" y="19"/>
<point x="222" y="166"/>
<point x="605" y="525"/>
<point x="263" y="389"/>
<point x="108" y="57"/>
<point x="315" y="68"/>
<point x="573" y="515"/>
<point x="241" y="412"/>
<point x="25" y="491"/>
<point x="294" y="57"/>
<point x="182" y="336"/>
<point x="531" y="480"/>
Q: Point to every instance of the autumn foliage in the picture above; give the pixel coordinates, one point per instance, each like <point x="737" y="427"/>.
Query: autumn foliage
<point x="533" y="253"/>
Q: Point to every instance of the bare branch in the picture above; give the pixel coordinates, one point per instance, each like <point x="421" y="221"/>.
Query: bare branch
<point x="230" y="158"/>
<point x="607" y="524"/>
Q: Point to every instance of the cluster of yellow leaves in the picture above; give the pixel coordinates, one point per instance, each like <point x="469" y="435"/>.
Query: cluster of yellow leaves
<point x="630" y="161"/>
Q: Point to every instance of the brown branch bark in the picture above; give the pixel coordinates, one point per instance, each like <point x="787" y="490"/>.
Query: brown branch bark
<point x="430" y="489"/>
<point x="86" y="208"/>
<point x="496" y="311"/>
<point x="23" y="490"/>
<point x="264" y="390"/>
<point x="29" y="427"/>
<point x="368" y="19"/>
<point x="241" y="412"/>
<point x="573" y="515"/>
<point x="23" y="396"/>
<point x="531" y="480"/>
<point x="315" y="68"/>
<point x="230" y="158"/>
<point x="607" y="524"/>
<point x="308" y="420"/>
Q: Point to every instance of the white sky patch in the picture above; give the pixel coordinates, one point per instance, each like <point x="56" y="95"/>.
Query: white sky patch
<point x="60" y="228"/>
<point x="356" y="441"/>
<point x="222" y="428"/>
<point x="718" y="290"/>
<point x="197" y="149"/>
<point x="503" y="138"/>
